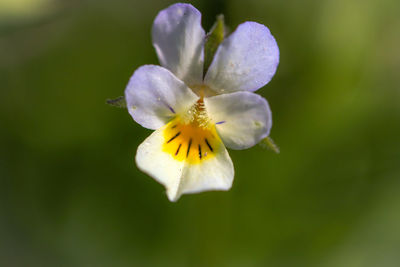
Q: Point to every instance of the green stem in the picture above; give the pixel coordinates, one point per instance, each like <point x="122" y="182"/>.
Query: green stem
<point x="270" y="144"/>
<point x="213" y="39"/>
<point x="118" y="102"/>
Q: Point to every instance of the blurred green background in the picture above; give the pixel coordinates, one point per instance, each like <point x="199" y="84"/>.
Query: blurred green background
<point x="71" y="195"/>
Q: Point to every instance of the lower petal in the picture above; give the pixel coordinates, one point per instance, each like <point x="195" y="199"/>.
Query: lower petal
<point x="186" y="159"/>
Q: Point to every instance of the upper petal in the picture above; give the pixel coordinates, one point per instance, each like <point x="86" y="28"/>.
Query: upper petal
<point x="242" y="118"/>
<point x="154" y="95"/>
<point x="179" y="39"/>
<point x="245" y="61"/>
<point x="212" y="172"/>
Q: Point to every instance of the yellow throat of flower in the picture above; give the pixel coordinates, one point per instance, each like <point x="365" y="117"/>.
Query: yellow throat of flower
<point x="192" y="137"/>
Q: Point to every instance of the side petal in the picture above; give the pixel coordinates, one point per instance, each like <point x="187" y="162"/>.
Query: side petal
<point x="154" y="95"/>
<point x="178" y="176"/>
<point x="245" y="61"/>
<point x="242" y="119"/>
<point x="179" y="39"/>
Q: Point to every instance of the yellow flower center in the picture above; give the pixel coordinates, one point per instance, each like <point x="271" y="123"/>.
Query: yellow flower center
<point x="192" y="138"/>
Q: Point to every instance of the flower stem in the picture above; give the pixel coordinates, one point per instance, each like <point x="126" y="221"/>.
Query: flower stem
<point x="213" y="39"/>
<point x="267" y="142"/>
<point x="118" y="102"/>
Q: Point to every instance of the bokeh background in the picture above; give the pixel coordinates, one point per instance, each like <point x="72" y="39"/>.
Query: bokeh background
<point x="71" y="195"/>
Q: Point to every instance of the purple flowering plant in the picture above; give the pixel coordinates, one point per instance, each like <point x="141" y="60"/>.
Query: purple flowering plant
<point x="201" y="99"/>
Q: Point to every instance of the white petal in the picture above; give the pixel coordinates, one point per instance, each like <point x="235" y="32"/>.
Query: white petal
<point x="180" y="177"/>
<point x="242" y="118"/>
<point x="161" y="166"/>
<point x="154" y="95"/>
<point x="179" y="39"/>
<point x="245" y="61"/>
<point x="214" y="174"/>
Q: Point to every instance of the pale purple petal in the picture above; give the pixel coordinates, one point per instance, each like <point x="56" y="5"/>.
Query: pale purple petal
<point x="245" y="61"/>
<point x="242" y="119"/>
<point x="179" y="39"/>
<point x="154" y="95"/>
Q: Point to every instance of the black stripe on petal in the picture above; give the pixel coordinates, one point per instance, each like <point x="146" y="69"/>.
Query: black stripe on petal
<point x="188" y="149"/>
<point x="199" y="151"/>
<point x="208" y="144"/>
<point x="175" y="136"/>
<point x="177" y="151"/>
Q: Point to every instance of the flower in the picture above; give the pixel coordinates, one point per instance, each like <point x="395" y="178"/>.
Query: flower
<point x="195" y="114"/>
